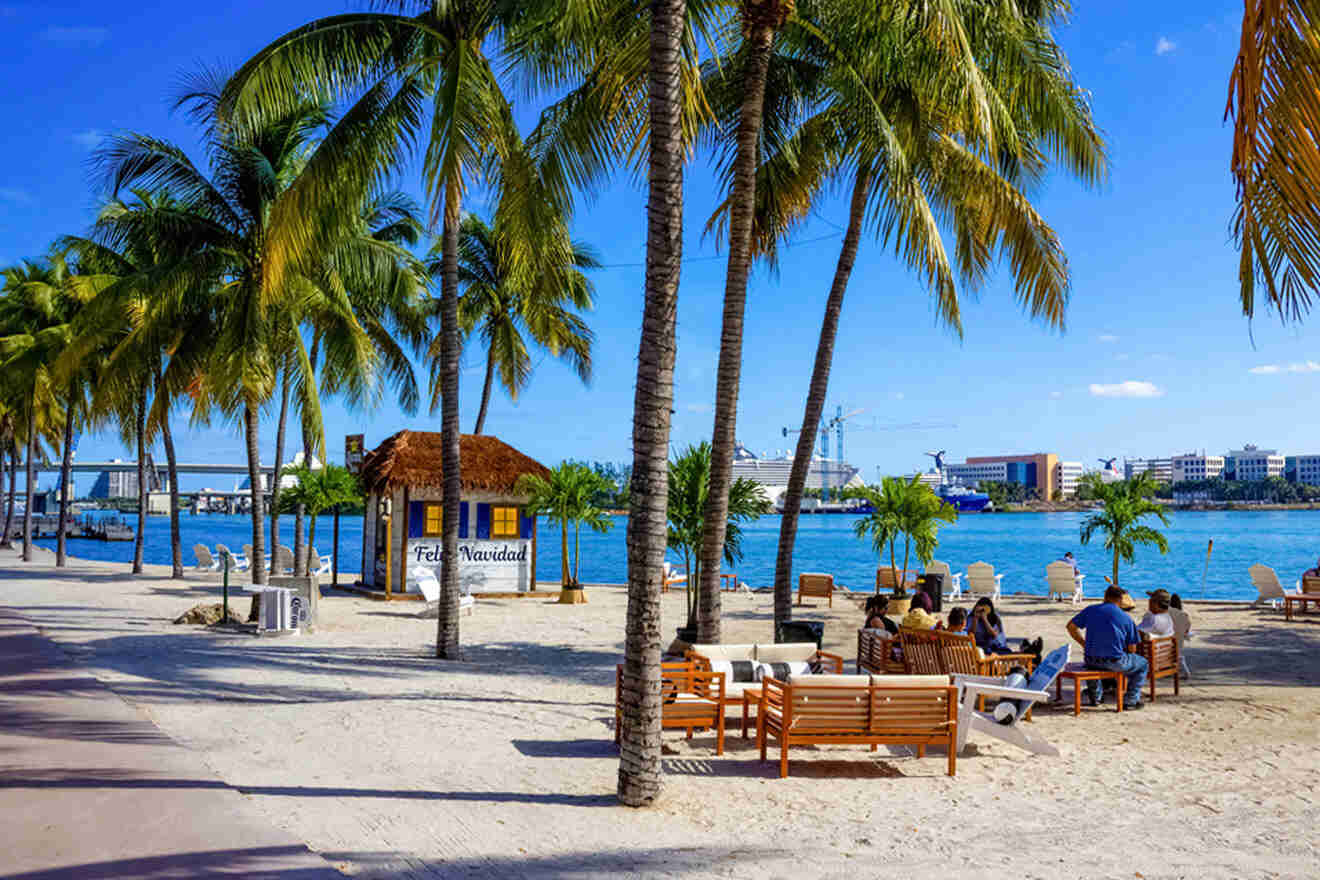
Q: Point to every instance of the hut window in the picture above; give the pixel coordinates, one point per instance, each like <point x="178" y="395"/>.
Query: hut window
<point x="504" y="522"/>
<point x="433" y="520"/>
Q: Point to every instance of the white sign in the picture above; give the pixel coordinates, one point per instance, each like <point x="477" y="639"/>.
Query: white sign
<point x="500" y="566"/>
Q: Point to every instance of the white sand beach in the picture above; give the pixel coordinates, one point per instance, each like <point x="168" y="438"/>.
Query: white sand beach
<point x="390" y="763"/>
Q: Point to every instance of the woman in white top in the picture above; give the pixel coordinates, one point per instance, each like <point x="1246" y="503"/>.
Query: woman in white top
<point x="1157" y="621"/>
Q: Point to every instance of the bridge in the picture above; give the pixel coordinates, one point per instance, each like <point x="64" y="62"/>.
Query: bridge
<point x="96" y="467"/>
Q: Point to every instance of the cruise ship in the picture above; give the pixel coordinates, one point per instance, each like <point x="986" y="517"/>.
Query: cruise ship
<point x="772" y="473"/>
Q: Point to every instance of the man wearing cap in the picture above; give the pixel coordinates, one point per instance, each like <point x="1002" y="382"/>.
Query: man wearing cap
<point x="1109" y="633"/>
<point x="1157" y="622"/>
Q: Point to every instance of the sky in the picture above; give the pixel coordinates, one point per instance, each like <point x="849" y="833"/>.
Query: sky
<point x="1156" y="358"/>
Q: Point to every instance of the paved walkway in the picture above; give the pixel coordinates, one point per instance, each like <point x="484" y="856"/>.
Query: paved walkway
<point x="90" y="788"/>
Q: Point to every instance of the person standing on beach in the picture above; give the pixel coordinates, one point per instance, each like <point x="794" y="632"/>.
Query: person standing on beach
<point x="1106" y="635"/>
<point x="1157" y="621"/>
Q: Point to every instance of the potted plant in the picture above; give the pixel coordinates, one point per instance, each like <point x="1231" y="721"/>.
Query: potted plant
<point x="567" y="497"/>
<point x="1124" y="505"/>
<point x="907" y="509"/>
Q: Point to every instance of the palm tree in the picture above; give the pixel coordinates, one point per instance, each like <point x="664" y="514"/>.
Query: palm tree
<point x="689" y="495"/>
<point x="881" y="525"/>
<point x="8" y="436"/>
<point x="1274" y="102"/>
<point x="926" y="138"/>
<point x="318" y="489"/>
<point x="297" y="177"/>
<point x="506" y="304"/>
<point x="1125" y="504"/>
<point x="567" y="497"/>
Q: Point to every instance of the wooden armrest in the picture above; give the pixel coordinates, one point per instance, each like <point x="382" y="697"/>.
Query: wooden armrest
<point x="836" y="659"/>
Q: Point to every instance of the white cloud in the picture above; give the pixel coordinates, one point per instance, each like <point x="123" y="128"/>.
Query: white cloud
<point x="1055" y="395"/>
<point x="1163" y="46"/>
<point x="76" y="37"/>
<point x="1107" y="337"/>
<point x="698" y="407"/>
<point x="15" y="196"/>
<point x="1298" y="367"/>
<point x="1130" y="388"/>
<point x="1121" y="357"/>
<point x="89" y="139"/>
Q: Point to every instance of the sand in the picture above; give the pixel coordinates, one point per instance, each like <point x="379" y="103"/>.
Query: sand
<point x="393" y="764"/>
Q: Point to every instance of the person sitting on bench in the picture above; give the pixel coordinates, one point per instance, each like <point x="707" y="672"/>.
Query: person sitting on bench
<point x="1109" y="634"/>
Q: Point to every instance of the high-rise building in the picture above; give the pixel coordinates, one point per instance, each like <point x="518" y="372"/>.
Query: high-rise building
<point x="1160" y="469"/>
<point x="1302" y="469"/>
<point x="1066" y="476"/>
<point x="1197" y="466"/>
<point x="115" y="484"/>
<point x="1036" y="471"/>
<point x="1251" y="463"/>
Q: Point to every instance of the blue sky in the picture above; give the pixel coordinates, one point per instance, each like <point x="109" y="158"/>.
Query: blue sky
<point x="1156" y="358"/>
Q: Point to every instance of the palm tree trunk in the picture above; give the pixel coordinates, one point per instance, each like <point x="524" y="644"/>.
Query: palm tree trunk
<point x="172" y="472"/>
<point x="485" y="390"/>
<point x="820" y="382"/>
<point x="311" y="542"/>
<point x="275" y="478"/>
<point x="5" y="541"/>
<point x="31" y="476"/>
<point x="447" y="636"/>
<point x="1115" y="568"/>
<point x="577" y="553"/>
<point x="639" y="778"/>
<point x="563" y="555"/>
<point x="300" y="548"/>
<point x="140" y="427"/>
<point x="742" y="205"/>
<point x="250" y="425"/>
<point x="66" y="471"/>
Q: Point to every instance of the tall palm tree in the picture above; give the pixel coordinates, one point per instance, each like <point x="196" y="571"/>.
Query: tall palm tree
<point x="931" y="133"/>
<point x="510" y="307"/>
<point x="300" y="176"/>
<point x="1125" y="504"/>
<point x="8" y="435"/>
<point x="1274" y="103"/>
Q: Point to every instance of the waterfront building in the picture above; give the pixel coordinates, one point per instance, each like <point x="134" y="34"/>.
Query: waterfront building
<point x="1035" y="471"/>
<point x="1302" y="469"/>
<point x="1252" y="464"/>
<point x="1160" y="469"/>
<point x="404" y="516"/>
<point x="1197" y="466"/>
<point x="115" y="484"/>
<point x="1066" y="476"/>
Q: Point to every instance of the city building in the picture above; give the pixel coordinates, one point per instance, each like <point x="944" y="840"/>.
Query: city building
<point x="1197" y="466"/>
<point x="115" y="484"/>
<point x="1160" y="469"/>
<point x="1036" y="471"/>
<point x="1066" y="476"/>
<point x="1252" y="464"/>
<point x="1302" y="469"/>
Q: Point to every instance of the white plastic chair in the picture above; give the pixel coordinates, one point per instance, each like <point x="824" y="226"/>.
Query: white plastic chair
<point x="1063" y="581"/>
<point x="955" y="580"/>
<point x="204" y="560"/>
<point x="318" y="564"/>
<point x="429" y="586"/>
<point x="1267" y="585"/>
<point x="982" y="580"/>
<point x="236" y="563"/>
<point x="1182" y="631"/>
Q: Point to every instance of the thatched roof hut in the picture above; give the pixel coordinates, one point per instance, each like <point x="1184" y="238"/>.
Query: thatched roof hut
<point x="413" y="459"/>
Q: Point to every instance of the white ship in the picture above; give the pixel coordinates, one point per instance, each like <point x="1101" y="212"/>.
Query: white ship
<point x="773" y="473"/>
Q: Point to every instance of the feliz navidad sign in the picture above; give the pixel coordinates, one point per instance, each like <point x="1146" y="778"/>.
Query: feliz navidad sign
<point x="483" y="566"/>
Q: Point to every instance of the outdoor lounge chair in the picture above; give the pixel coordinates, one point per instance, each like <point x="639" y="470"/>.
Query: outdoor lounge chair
<point x="671" y="578"/>
<point x="921" y="652"/>
<point x="975" y="689"/>
<point x="887" y="579"/>
<point x="204" y="560"/>
<point x="982" y="580"/>
<point x="816" y="584"/>
<point x="1182" y="630"/>
<point x="1161" y="653"/>
<point x="951" y="580"/>
<point x="875" y="653"/>
<point x="429" y="586"/>
<point x="236" y="562"/>
<point x="1064" y="582"/>
<point x="283" y="559"/>
<point x="691" y="699"/>
<point x="1267" y="585"/>
<point x="318" y="564"/>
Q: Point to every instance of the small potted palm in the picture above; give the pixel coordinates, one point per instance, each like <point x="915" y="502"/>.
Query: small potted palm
<point x="568" y="498"/>
<point x="906" y="508"/>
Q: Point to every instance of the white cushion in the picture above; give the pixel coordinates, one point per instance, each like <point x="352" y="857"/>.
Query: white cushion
<point x="725" y="652"/>
<point x="787" y="652"/>
<point x="838" y="680"/>
<point x="910" y="680"/>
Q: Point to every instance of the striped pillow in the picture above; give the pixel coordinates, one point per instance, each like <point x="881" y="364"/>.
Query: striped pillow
<point x="735" y="670"/>
<point x="785" y="672"/>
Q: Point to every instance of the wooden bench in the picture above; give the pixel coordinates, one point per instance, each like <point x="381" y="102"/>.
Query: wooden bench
<point x="1161" y="654"/>
<point x="805" y="652"/>
<point x="1078" y="673"/>
<point x="875" y="653"/>
<point x="859" y="710"/>
<point x="816" y="584"/>
<point x="691" y="699"/>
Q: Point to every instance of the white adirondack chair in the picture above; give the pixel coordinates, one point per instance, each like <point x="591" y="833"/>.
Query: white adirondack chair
<point x="204" y="560"/>
<point x="236" y="562"/>
<point x="283" y="559"/>
<point x="954" y="581"/>
<point x="429" y="586"/>
<point x="1267" y="585"/>
<point x="318" y="564"/>
<point x="1064" y="582"/>
<point x="1182" y="631"/>
<point x="971" y="688"/>
<point x="982" y="580"/>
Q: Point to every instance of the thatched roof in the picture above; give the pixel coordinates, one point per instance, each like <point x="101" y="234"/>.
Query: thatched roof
<point x="412" y="458"/>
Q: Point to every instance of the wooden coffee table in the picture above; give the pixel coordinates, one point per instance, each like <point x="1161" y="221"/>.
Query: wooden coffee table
<point x="1300" y="598"/>
<point x="1078" y="673"/>
<point x="750" y="697"/>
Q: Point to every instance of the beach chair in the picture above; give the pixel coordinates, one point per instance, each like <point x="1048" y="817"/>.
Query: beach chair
<point x="671" y="578"/>
<point x="887" y="579"/>
<point x="975" y="689"/>
<point x="429" y="586"/>
<point x="1064" y="582"/>
<point x="692" y="699"/>
<point x="950" y="578"/>
<point x="318" y="564"/>
<point x="982" y="581"/>
<point x="283" y="559"/>
<point x="1161" y="654"/>
<point x="236" y="562"/>
<point x="1267" y="585"/>
<point x="816" y="584"/>
<point x="1182" y="631"/>
<point x="921" y="652"/>
<point x="204" y="560"/>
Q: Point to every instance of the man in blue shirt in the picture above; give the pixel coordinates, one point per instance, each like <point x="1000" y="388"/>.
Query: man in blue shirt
<point x="1109" y="632"/>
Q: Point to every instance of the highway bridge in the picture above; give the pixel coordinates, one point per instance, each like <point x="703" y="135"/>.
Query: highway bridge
<point x="96" y="467"/>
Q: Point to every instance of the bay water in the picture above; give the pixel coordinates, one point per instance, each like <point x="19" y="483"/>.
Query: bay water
<point x="1019" y="546"/>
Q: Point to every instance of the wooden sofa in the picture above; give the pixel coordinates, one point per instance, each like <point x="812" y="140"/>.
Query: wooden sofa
<point x="691" y="699"/>
<point x="704" y="655"/>
<point x="869" y="710"/>
<point x="875" y="652"/>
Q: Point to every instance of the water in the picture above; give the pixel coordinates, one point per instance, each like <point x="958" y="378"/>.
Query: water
<point x="1018" y="545"/>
